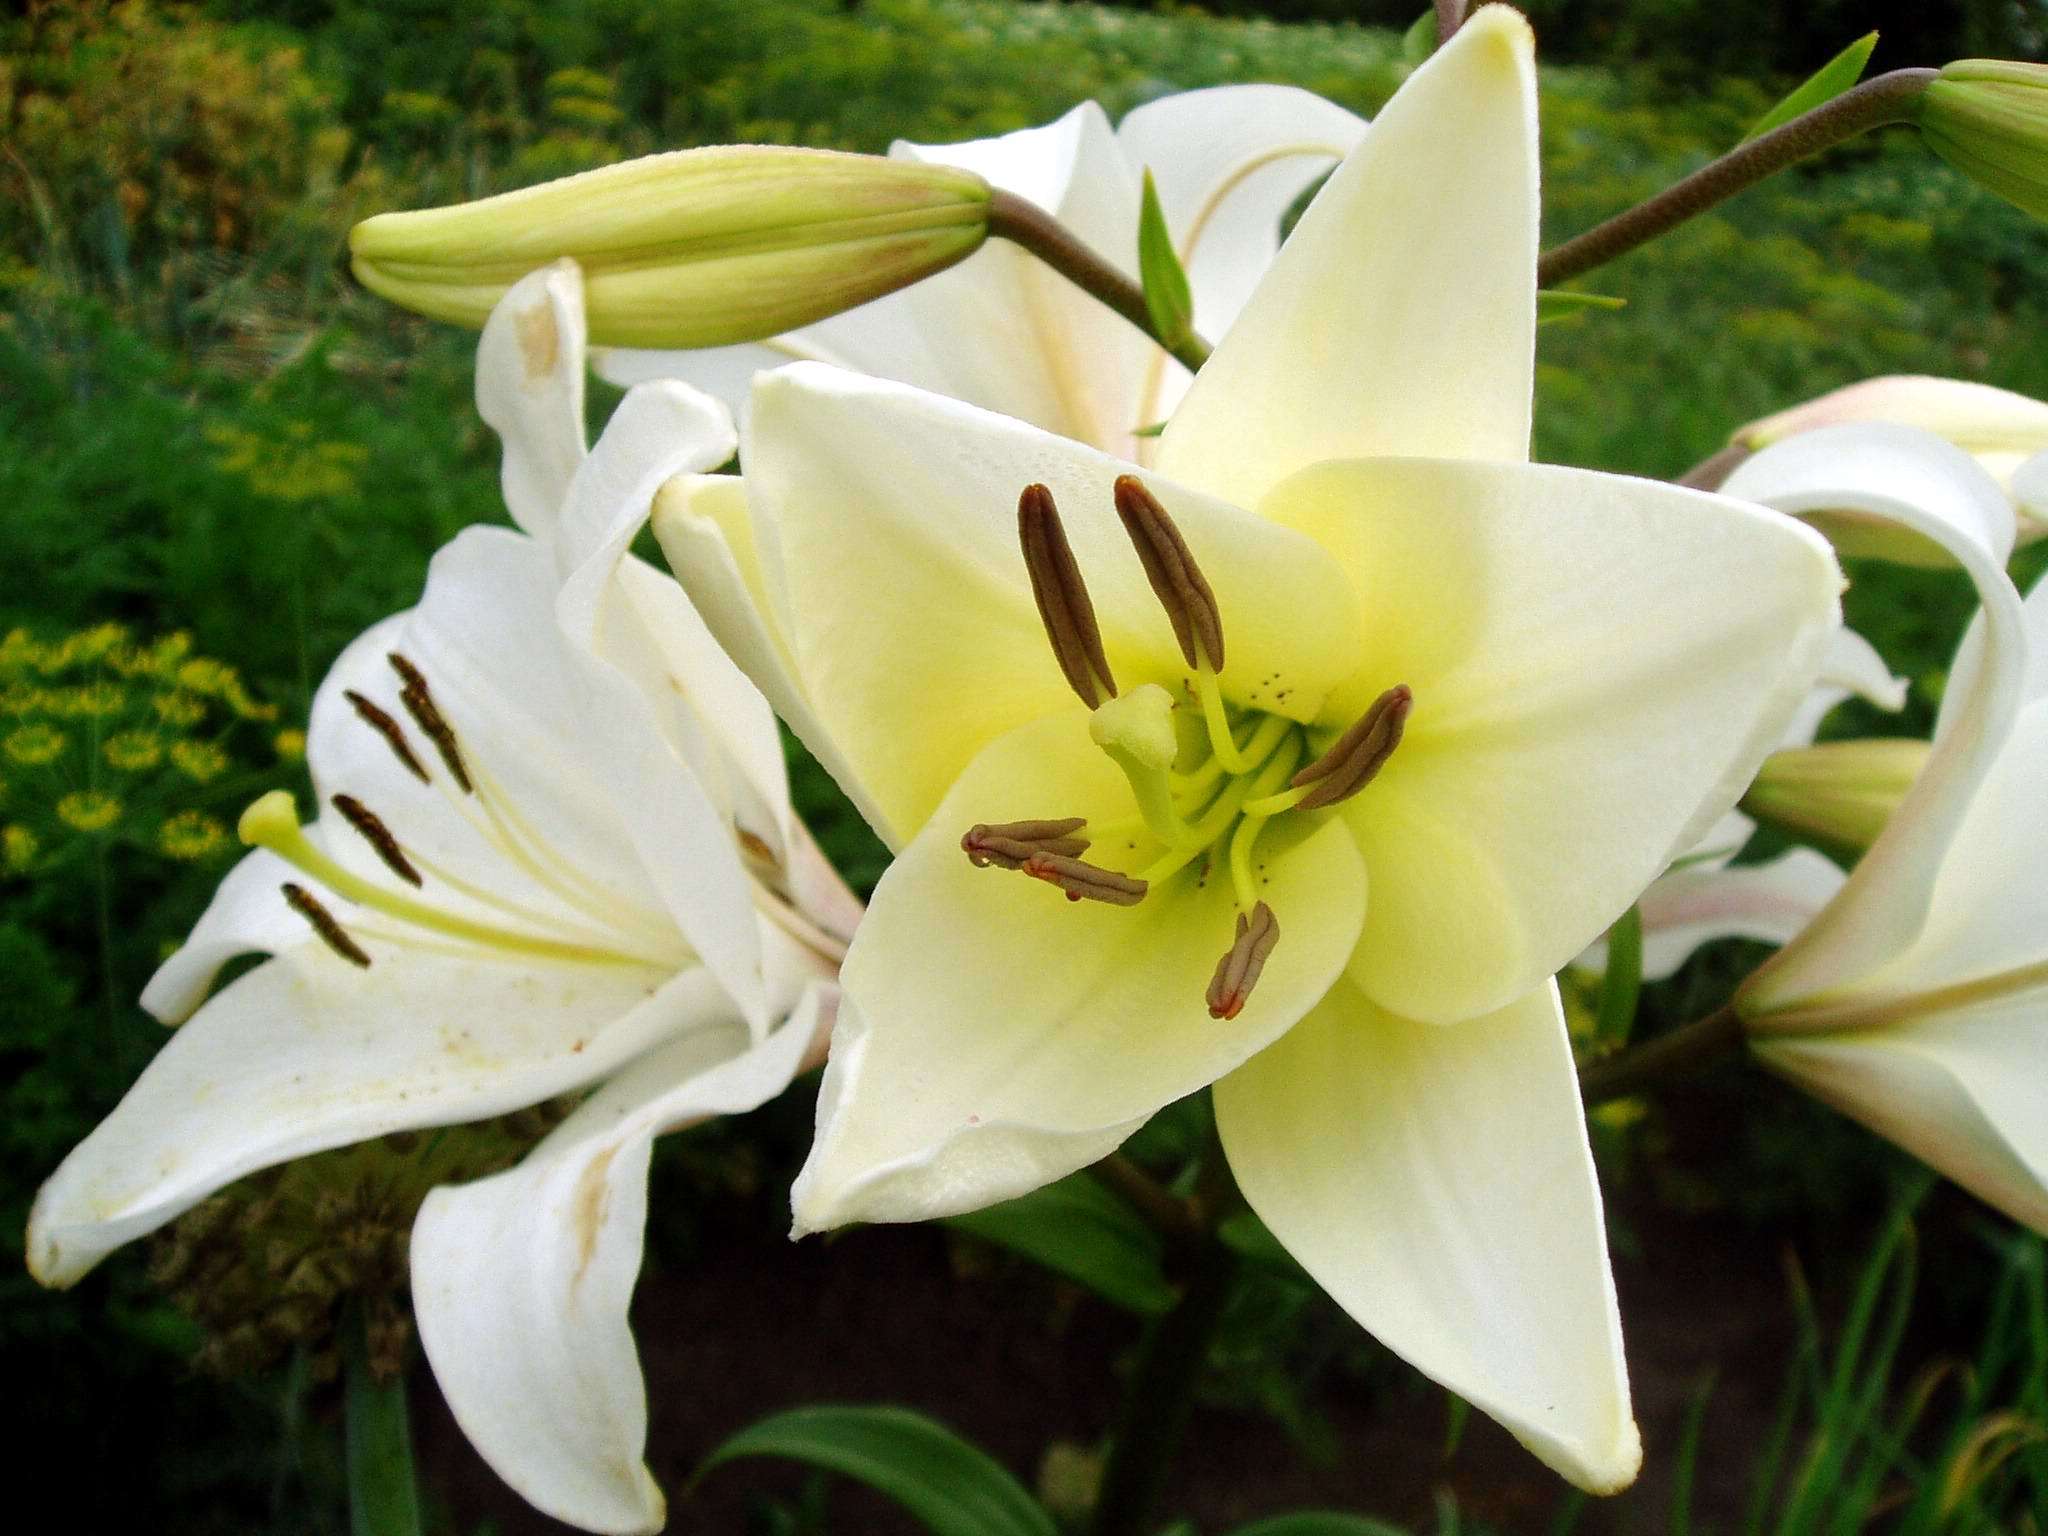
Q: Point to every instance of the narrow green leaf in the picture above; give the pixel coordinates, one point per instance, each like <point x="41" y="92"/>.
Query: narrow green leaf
<point x="1253" y="1241"/>
<point x="1077" y="1228"/>
<point x="1457" y="1413"/>
<point x="1319" y="1522"/>
<point x="950" y="1487"/>
<point x="1153" y="430"/>
<point x="1555" y="304"/>
<point x="1419" y="41"/>
<point x="383" y="1494"/>
<point x="1167" y="296"/>
<point x="1820" y="87"/>
<point x="1622" y="986"/>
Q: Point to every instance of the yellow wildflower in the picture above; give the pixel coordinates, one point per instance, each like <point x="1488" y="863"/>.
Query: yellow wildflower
<point x="18" y="849"/>
<point x="179" y="709"/>
<point x="134" y="751"/>
<point x="290" y="744"/>
<point x="33" y="745"/>
<point x="89" y="810"/>
<point x="191" y="835"/>
<point x="199" y="761"/>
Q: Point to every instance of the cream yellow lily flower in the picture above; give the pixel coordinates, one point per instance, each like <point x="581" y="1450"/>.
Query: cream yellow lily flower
<point x="555" y="854"/>
<point x="2006" y="433"/>
<point x="1343" y="563"/>
<point x="1004" y="331"/>
<point x="1917" y="1000"/>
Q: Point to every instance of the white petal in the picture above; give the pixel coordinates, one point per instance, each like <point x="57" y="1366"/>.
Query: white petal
<point x="308" y="1052"/>
<point x="1923" y="484"/>
<point x="1851" y="667"/>
<point x="1967" y="1093"/>
<point x="1228" y="163"/>
<point x="887" y="517"/>
<point x="1598" y="665"/>
<point x="244" y="917"/>
<point x="2029" y="486"/>
<point x="529" y="390"/>
<point x="520" y="1282"/>
<point x="1400" y="317"/>
<point x="1769" y="902"/>
<point x="995" y="1036"/>
<point x="1437" y="1183"/>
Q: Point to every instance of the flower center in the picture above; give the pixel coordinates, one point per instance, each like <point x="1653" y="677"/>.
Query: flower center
<point x="1200" y="802"/>
<point x="576" y="920"/>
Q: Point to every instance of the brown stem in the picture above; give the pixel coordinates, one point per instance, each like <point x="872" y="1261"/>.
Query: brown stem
<point x="1681" y="1051"/>
<point x="1710" y="472"/>
<point x="1162" y="1209"/>
<point x="1450" y="15"/>
<point x="1885" y="99"/>
<point x="1024" y="223"/>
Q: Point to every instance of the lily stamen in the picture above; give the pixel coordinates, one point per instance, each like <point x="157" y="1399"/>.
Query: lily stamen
<point x="1357" y="756"/>
<point x="1238" y="971"/>
<point x="1062" y="597"/>
<point x="393" y="733"/>
<point x="1170" y="567"/>
<point x="1008" y="844"/>
<point x="325" y="924"/>
<point x="378" y="836"/>
<point x="1084" y="881"/>
<point x="419" y="703"/>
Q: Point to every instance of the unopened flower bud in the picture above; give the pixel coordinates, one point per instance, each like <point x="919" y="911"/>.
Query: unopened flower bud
<point x="695" y="248"/>
<point x="1989" y="119"/>
<point x="1840" y="792"/>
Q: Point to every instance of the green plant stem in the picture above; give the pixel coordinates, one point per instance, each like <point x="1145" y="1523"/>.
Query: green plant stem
<point x="1160" y="1398"/>
<point x="1885" y="99"/>
<point x="1025" y="224"/>
<point x="1162" y="1210"/>
<point x="383" y="1495"/>
<point x="1675" y="1054"/>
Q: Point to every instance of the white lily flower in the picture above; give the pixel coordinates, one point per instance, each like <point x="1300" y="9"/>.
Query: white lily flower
<point x="555" y="851"/>
<point x="1006" y="332"/>
<point x="1587" y="669"/>
<point x="2006" y="433"/>
<point x="1917" y="1000"/>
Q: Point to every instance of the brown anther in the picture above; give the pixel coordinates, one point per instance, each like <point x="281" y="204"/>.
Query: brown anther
<point x="1357" y="756"/>
<point x="332" y="934"/>
<point x="1063" y="605"/>
<point x="394" y="736"/>
<point x="1007" y="844"/>
<point x="1083" y="881"/>
<point x="378" y="836"/>
<point x="1176" y="580"/>
<point x="1238" y="972"/>
<point x="419" y="703"/>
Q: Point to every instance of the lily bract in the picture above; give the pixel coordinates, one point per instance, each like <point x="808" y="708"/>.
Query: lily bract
<point x="1005" y="332"/>
<point x="1328" y="738"/>
<point x="554" y="854"/>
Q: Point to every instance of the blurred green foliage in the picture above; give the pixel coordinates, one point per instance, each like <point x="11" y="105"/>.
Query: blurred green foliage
<point x="221" y="446"/>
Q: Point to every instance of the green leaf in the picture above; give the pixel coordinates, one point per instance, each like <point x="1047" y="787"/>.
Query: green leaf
<point x="1623" y="984"/>
<point x="1419" y="41"/>
<point x="1167" y="296"/>
<point x="383" y="1494"/>
<point x="950" y="1487"/>
<point x="1253" y="1241"/>
<point x="1077" y="1228"/>
<point x="1820" y="88"/>
<point x="1555" y="304"/>
<point x="1153" y="430"/>
<point x="1319" y="1522"/>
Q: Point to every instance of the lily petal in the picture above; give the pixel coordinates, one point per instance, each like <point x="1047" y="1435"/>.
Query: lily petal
<point x="1963" y="1092"/>
<point x="1361" y="343"/>
<point x="1769" y="902"/>
<point x="1228" y="162"/>
<point x="1563" y="748"/>
<point x="1928" y="486"/>
<point x="1438" y="1184"/>
<point x="308" y="1052"/>
<point x="521" y="1281"/>
<point x="966" y="1070"/>
<point x="529" y="390"/>
<point x="888" y="519"/>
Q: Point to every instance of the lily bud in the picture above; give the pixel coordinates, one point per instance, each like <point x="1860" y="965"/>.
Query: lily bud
<point x="2006" y="433"/>
<point x="695" y="248"/>
<point x="1840" y="792"/>
<point x="1989" y="119"/>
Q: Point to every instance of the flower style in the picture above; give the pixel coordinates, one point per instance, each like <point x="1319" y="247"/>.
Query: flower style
<point x="555" y="853"/>
<point x="2006" y="433"/>
<point x="1915" y="1000"/>
<point x="1005" y="332"/>
<point x="1356" y="727"/>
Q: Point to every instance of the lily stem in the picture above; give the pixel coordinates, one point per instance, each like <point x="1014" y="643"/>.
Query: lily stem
<point x="1675" y="1054"/>
<point x="1165" y="1212"/>
<point x="1886" y="99"/>
<point x="383" y="1493"/>
<point x="1024" y="223"/>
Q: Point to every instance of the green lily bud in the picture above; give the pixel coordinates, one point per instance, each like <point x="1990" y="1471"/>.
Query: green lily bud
<point x="1989" y="119"/>
<point x="1840" y="792"/>
<point x="695" y="248"/>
